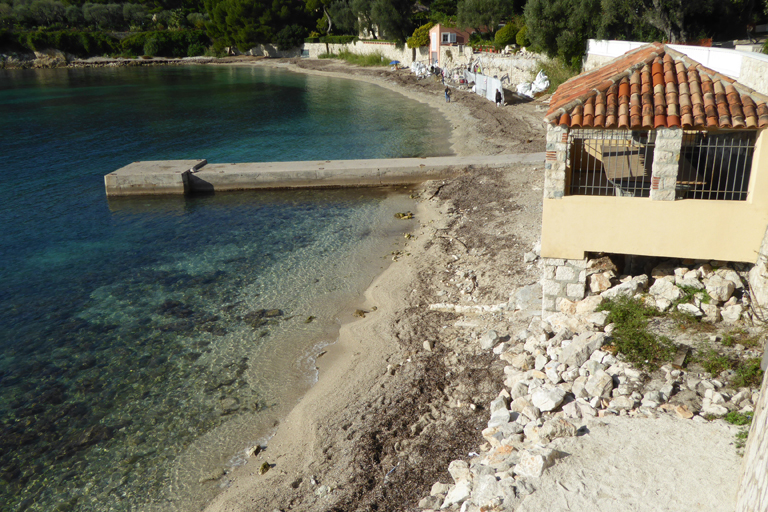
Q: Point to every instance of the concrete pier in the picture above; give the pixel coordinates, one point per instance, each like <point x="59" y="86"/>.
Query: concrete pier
<point x="187" y="176"/>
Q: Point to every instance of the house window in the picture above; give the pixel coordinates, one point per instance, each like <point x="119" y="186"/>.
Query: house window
<point x="448" y="37"/>
<point x="715" y="165"/>
<point x="610" y="162"/>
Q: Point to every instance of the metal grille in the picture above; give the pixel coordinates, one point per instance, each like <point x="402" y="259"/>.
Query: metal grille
<point x="715" y="165"/>
<point x="610" y="162"/>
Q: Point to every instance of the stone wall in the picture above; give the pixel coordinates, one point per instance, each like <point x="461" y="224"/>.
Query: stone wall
<point x="389" y="51"/>
<point x="556" y="161"/>
<point x="666" y="161"/>
<point x="561" y="279"/>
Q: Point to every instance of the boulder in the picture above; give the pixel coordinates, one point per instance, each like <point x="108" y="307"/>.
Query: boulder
<point x="720" y="289"/>
<point x="459" y="470"/>
<point x="458" y="494"/>
<point x="599" y="283"/>
<point x="622" y="403"/>
<point x="732" y="314"/>
<point x="690" y="309"/>
<point x="588" y="305"/>
<point x="547" y="399"/>
<point x="556" y="427"/>
<point x="599" y="385"/>
<point x="581" y="348"/>
<point x="627" y="289"/>
<point x="666" y="290"/>
<point x="533" y="462"/>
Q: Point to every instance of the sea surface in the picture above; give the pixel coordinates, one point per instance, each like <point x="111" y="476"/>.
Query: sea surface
<point x="147" y="343"/>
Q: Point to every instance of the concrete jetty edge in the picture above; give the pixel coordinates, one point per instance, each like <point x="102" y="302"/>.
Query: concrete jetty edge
<point x="174" y="177"/>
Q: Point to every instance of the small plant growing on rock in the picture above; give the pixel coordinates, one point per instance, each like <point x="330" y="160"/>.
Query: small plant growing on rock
<point x="631" y="336"/>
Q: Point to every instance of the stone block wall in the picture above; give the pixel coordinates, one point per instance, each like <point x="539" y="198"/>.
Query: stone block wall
<point x="562" y="279"/>
<point x="666" y="161"/>
<point x="556" y="162"/>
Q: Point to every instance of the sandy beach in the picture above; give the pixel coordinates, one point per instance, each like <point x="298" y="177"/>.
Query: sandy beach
<point x="386" y="415"/>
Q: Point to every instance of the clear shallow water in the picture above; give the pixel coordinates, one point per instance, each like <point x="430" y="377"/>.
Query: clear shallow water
<point x="135" y="356"/>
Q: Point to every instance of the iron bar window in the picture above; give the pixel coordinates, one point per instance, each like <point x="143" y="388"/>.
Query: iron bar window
<point x="610" y="162"/>
<point x="715" y="165"/>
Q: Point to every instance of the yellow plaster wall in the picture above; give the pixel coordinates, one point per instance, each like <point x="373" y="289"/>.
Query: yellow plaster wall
<point x="690" y="228"/>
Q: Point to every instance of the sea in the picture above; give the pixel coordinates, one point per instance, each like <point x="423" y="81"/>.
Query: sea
<point x="147" y="343"/>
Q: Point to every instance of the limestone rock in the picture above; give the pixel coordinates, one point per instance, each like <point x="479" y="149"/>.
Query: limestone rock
<point x="720" y="289"/>
<point x="599" y="385"/>
<point x="690" y="309"/>
<point x="533" y="463"/>
<point x="556" y="427"/>
<point x="628" y="289"/>
<point x="458" y="494"/>
<point x="523" y="361"/>
<point x="624" y="403"/>
<point x="665" y="290"/>
<point x="430" y="502"/>
<point x="439" y="489"/>
<point x="488" y="340"/>
<point x="581" y="348"/>
<point x="588" y="304"/>
<point x="599" y="283"/>
<point x="459" y="470"/>
<point x="547" y="399"/>
<point x="732" y="314"/>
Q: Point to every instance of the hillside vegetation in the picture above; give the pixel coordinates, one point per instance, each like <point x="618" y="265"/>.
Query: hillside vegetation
<point x="559" y="28"/>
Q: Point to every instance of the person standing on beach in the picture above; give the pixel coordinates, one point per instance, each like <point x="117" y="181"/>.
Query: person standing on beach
<point x="447" y="94"/>
<point x="498" y="97"/>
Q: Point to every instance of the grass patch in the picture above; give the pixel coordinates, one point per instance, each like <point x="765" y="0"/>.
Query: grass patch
<point x="631" y="335"/>
<point x="557" y="71"/>
<point x="737" y="418"/>
<point x="741" y="439"/>
<point x="373" y="59"/>
<point x="715" y="363"/>
<point x="748" y="374"/>
<point x="740" y="337"/>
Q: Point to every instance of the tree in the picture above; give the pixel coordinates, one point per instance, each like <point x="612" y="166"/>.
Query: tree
<point x="289" y="37"/>
<point x="103" y="15"/>
<point x="135" y="14"/>
<point x="47" y="12"/>
<point x="245" y="23"/>
<point x="420" y="36"/>
<point x="561" y="27"/>
<point x="392" y="17"/>
<point x="483" y="15"/>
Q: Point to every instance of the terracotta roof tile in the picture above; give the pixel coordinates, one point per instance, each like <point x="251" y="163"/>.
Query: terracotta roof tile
<point x="654" y="86"/>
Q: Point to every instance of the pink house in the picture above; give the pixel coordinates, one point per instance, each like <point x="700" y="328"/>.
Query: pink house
<point x="440" y="36"/>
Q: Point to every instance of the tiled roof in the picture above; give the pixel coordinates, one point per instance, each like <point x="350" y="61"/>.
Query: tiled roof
<point x="655" y="86"/>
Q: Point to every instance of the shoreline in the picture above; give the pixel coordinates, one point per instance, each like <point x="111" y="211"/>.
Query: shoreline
<point x="358" y="369"/>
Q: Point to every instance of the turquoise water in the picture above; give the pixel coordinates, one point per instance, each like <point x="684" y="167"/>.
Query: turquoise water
<point x="136" y="351"/>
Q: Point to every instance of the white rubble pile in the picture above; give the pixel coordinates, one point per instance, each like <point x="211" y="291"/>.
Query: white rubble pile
<point x="560" y="373"/>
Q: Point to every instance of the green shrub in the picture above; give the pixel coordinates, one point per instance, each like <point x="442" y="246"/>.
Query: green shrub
<point x="522" y="37"/>
<point x="420" y="36"/>
<point x="196" y="49"/>
<point x="506" y="34"/>
<point x="173" y="43"/>
<point x="151" y="46"/>
<point x="631" y="336"/>
<point x="748" y="374"/>
<point x="69" y="41"/>
<point x="737" y="418"/>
